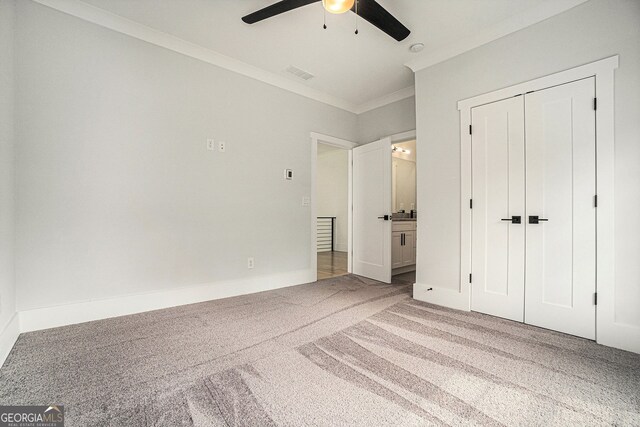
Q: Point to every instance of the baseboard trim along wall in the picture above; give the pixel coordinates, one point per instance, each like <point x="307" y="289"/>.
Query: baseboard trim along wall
<point x="341" y="247"/>
<point x="8" y="337"/>
<point x="69" y="314"/>
<point x="441" y="296"/>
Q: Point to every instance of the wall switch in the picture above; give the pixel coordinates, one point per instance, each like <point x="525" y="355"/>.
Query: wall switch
<point x="288" y="174"/>
<point x="210" y="144"/>
<point x="222" y="146"/>
<point x="250" y="262"/>
<point x="306" y="201"/>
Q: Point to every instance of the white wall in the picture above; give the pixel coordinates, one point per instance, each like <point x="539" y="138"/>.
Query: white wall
<point x="388" y="120"/>
<point x="333" y="191"/>
<point x="8" y="324"/>
<point x="591" y="31"/>
<point x="117" y="194"/>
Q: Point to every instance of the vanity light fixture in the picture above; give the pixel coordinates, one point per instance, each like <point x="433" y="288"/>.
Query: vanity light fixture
<point x="400" y="150"/>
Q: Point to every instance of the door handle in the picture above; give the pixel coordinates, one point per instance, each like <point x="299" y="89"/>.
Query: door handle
<point x="516" y="219"/>
<point x="385" y="217"/>
<point x="535" y="219"/>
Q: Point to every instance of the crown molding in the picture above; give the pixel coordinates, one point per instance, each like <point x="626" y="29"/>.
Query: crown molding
<point x="396" y="96"/>
<point x="142" y="32"/>
<point x="534" y="15"/>
<point x="114" y="22"/>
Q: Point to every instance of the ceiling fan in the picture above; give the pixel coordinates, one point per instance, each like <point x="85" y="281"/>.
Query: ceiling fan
<point x="369" y="10"/>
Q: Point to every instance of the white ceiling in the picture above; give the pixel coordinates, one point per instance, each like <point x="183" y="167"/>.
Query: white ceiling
<point x="363" y="69"/>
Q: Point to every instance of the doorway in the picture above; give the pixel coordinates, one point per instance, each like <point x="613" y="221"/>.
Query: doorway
<point x="369" y="212"/>
<point x="332" y="204"/>
<point x="609" y="329"/>
<point x="327" y="232"/>
<point x="384" y="230"/>
<point x="404" y="215"/>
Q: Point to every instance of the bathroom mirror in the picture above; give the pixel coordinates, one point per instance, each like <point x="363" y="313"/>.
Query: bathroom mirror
<point x="403" y="176"/>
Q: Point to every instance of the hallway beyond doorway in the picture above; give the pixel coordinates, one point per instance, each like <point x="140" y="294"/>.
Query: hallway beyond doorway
<point x="332" y="264"/>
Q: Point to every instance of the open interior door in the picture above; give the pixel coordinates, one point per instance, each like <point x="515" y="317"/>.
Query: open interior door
<point x="372" y="210"/>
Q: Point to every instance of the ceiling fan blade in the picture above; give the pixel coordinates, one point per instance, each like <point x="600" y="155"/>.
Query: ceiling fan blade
<point x="378" y="16"/>
<point x="275" y="9"/>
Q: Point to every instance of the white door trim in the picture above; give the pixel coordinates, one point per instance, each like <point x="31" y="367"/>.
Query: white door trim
<point x="609" y="332"/>
<point x="340" y="143"/>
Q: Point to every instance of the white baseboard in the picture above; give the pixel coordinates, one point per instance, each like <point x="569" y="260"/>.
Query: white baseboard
<point x="69" y="314"/>
<point x="8" y="337"/>
<point x="624" y="337"/>
<point x="341" y="247"/>
<point x="451" y="298"/>
<point x="405" y="269"/>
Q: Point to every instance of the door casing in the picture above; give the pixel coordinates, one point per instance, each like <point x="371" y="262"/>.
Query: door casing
<point x="609" y="331"/>
<point x="316" y="138"/>
<point x="346" y="145"/>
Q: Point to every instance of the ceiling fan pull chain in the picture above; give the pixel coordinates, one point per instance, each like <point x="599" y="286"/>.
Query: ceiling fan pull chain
<point x="357" y="1"/>
<point x="324" y="18"/>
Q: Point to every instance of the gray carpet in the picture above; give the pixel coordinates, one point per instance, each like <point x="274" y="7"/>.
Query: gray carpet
<point x="343" y="351"/>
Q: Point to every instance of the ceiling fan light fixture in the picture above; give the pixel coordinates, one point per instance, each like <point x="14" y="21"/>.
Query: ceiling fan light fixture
<point x="337" y="6"/>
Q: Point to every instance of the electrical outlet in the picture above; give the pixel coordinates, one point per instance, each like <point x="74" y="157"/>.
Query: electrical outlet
<point x="210" y="144"/>
<point x="250" y="262"/>
<point x="222" y="146"/>
<point x="306" y="201"/>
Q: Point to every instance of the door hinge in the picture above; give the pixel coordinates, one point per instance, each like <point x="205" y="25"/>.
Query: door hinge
<point x="470" y="277"/>
<point x="595" y="201"/>
<point x="595" y="103"/>
<point x="595" y="298"/>
<point x="470" y="130"/>
<point x="470" y="203"/>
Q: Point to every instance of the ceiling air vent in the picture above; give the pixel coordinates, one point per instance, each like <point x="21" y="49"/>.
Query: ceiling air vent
<point x="301" y="74"/>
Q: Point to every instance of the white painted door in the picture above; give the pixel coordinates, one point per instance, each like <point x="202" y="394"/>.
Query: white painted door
<point x="371" y="202"/>
<point x="561" y="184"/>
<point x="498" y="243"/>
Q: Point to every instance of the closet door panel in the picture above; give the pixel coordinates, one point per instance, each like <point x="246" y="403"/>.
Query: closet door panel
<point x="498" y="194"/>
<point x="560" y="189"/>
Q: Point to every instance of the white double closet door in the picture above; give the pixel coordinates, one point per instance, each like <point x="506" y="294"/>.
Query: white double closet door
<point x="533" y="158"/>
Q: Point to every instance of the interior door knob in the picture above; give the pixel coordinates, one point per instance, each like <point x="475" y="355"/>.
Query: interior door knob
<point x="535" y="219"/>
<point x="515" y="219"/>
<point x="385" y="217"/>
